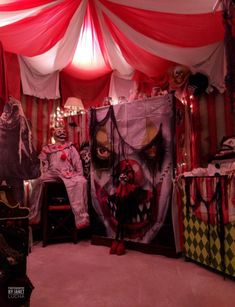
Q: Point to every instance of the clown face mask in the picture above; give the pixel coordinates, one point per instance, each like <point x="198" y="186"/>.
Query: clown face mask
<point x="178" y="76"/>
<point x="85" y="155"/>
<point x="60" y="135"/>
<point x="136" y="137"/>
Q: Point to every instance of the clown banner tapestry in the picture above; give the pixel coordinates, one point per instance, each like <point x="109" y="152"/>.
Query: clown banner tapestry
<point x="132" y="167"/>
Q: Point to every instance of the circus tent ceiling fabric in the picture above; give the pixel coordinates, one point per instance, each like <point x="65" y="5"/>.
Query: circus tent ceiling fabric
<point x="91" y="38"/>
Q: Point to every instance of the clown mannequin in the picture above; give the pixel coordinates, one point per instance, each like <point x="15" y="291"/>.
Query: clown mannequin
<point x="62" y="161"/>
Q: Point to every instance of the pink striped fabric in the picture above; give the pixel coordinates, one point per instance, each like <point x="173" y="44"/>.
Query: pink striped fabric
<point x="216" y="120"/>
<point x="200" y="127"/>
<point x="212" y="119"/>
<point x="39" y="111"/>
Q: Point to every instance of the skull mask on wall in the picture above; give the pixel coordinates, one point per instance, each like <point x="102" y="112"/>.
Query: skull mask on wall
<point x="85" y="155"/>
<point x="178" y="76"/>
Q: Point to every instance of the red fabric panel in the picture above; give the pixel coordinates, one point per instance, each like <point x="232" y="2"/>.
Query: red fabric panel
<point x="75" y="136"/>
<point x="46" y="28"/>
<point x="145" y="83"/>
<point x="176" y="29"/>
<point x="180" y="216"/>
<point x="13" y="75"/>
<point x="211" y="123"/>
<point x="196" y="150"/>
<point x="86" y="128"/>
<point x="23" y="4"/>
<point x="84" y="74"/>
<point x="49" y="112"/>
<point x="229" y="117"/>
<point x="180" y="150"/>
<point x="3" y="80"/>
<point x="39" y="123"/>
<point x="92" y="92"/>
<point x="28" y="109"/>
<point x="73" y="133"/>
<point x="149" y="64"/>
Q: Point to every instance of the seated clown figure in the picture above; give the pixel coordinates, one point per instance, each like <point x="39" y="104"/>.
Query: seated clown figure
<point x="61" y="161"/>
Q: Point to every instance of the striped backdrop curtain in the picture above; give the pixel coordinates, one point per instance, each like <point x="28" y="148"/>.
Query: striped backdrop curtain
<point x="201" y="123"/>
<point x="80" y="133"/>
<point x="212" y="118"/>
<point x="40" y="113"/>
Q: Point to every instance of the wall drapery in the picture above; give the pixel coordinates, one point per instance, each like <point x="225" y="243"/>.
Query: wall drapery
<point x="139" y="134"/>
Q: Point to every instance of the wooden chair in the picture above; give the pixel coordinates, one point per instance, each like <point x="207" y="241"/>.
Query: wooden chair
<point x="58" y="222"/>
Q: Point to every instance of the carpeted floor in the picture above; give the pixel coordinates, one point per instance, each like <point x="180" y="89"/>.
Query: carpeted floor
<point x="85" y="275"/>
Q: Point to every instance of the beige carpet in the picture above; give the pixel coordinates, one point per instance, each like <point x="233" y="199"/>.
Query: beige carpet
<point x="85" y="275"/>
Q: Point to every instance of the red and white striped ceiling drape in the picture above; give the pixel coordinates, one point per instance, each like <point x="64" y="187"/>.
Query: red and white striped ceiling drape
<point x="46" y="34"/>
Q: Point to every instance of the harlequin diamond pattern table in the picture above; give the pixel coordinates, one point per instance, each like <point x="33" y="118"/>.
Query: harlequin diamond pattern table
<point x="202" y="241"/>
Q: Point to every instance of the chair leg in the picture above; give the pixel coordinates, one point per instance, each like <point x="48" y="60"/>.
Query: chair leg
<point x="44" y="217"/>
<point x="44" y="227"/>
<point x="44" y="237"/>
<point x="75" y="234"/>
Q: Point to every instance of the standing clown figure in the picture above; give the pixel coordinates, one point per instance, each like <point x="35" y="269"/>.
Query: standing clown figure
<point x="124" y="198"/>
<point x="62" y="161"/>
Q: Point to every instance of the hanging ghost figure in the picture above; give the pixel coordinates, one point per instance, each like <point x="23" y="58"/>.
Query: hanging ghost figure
<point x="18" y="159"/>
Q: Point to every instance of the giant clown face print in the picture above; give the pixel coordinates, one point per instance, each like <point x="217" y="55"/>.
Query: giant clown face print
<point x="131" y="151"/>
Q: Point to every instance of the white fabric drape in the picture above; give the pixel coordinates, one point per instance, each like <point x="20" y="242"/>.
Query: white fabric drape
<point x="121" y="87"/>
<point x="40" y="74"/>
<point x="120" y="84"/>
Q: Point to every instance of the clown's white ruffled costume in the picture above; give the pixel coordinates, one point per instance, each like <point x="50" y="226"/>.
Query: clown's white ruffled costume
<point x="62" y="161"/>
